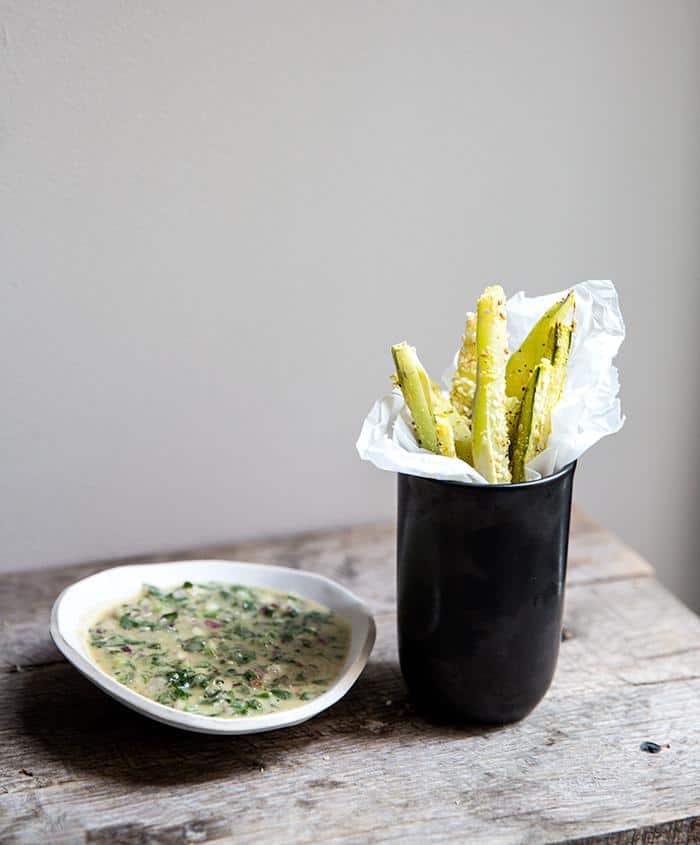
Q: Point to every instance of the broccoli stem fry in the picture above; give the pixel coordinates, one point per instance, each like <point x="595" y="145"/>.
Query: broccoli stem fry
<point x="560" y="359"/>
<point x="462" y="435"/>
<point x="439" y="428"/>
<point x="464" y="379"/>
<point x="489" y="424"/>
<point x="445" y="435"/>
<point x="534" y="416"/>
<point x="537" y="345"/>
<point x="415" y="386"/>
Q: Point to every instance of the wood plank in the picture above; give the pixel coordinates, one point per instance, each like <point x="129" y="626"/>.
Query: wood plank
<point x="680" y="832"/>
<point x="596" y="555"/>
<point x="371" y="769"/>
<point x="362" y="558"/>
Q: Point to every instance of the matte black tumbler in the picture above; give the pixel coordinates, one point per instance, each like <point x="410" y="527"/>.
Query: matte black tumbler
<point x="481" y="572"/>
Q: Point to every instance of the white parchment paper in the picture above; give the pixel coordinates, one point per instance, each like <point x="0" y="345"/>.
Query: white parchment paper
<point x="588" y="409"/>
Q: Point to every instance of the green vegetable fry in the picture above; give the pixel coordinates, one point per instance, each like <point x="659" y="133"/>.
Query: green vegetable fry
<point x="462" y="435"/>
<point x="441" y="404"/>
<point x="537" y="345"/>
<point x="489" y="425"/>
<point x="430" y="410"/>
<point x="512" y="411"/>
<point x="462" y="391"/>
<point x="452" y="428"/>
<point x="534" y="412"/>
<point x="415" y="386"/>
<point x="560" y="359"/>
<point x="464" y="379"/>
<point x="445" y="436"/>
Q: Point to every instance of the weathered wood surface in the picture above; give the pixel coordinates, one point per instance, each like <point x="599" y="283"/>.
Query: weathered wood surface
<point x="77" y="767"/>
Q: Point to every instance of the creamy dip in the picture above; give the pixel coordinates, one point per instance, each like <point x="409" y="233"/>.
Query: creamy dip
<point x="221" y="649"/>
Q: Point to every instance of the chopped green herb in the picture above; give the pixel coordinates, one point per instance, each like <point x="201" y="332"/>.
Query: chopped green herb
<point x="281" y="693"/>
<point x="244" y="656"/>
<point x="194" y="644"/>
<point x="127" y="622"/>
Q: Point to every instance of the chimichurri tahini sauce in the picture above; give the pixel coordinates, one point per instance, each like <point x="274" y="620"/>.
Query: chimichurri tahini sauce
<point x="221" y="649"/>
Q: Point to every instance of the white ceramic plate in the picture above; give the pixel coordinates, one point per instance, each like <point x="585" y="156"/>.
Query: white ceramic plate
<point x="82" y="603"/>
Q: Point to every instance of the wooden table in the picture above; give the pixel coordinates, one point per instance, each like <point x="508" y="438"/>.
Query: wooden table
<point x="77" y="767"/>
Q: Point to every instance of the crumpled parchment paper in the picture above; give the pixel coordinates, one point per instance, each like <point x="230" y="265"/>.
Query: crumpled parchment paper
<point x="588" y="409"/>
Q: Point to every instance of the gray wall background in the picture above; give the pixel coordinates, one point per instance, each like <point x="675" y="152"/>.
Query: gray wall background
<point x="216" y="217"/>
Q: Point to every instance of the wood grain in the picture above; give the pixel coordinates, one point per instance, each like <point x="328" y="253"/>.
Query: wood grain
<point x="77" y="767"/>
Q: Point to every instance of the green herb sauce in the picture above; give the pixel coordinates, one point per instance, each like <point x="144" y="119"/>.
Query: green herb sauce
<point x="221" y="649"/>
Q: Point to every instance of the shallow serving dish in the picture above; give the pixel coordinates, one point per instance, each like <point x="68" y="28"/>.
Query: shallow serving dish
<point x="79" y="605"/>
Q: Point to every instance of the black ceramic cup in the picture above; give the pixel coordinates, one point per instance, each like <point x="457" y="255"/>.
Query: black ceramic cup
<point x="481" y="572"/>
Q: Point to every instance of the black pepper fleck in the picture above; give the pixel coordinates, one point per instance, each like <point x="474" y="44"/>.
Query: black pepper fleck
<point x="652" y="747"/>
